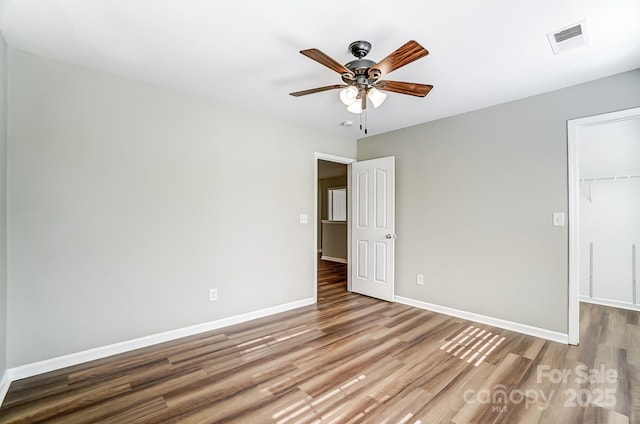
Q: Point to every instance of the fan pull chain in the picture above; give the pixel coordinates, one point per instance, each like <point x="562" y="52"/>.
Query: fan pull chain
<point x="363" y="121"/>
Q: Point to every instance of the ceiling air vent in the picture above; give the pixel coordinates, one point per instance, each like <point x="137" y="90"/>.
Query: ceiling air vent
<point x="568" y="33"/>
<point x="568" y="38"/>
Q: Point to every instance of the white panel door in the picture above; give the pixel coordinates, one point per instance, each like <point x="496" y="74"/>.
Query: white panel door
<point x="373" y="227"/>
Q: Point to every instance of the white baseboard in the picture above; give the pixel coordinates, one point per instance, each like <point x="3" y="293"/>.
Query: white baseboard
<point x="52" y="364"/>
<point x="608" y="302"/>
<point x="332" y="259"/>
<point x="483" y="319"/>
<point x="4" y="386"/>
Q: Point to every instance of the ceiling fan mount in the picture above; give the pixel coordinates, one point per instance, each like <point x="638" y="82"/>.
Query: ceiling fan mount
<point x="361" y="76"/>
<point x="360" y="48"/>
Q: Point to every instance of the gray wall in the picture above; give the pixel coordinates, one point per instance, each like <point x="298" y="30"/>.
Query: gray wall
<point x="127" y="202"/>
<point x="3" y="206"/>
<point x="334" y="243"/>
<point x="475" y="194"/>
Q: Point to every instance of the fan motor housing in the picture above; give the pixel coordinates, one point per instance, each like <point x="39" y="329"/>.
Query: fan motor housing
<point x="359" y="64"/>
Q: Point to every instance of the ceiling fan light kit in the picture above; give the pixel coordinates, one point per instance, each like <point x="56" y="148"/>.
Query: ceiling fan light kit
<point x="376" y="96"/>
<point x="361" y="76"/>
<point x="349" y="95"/>
<point x="355" y="107"/>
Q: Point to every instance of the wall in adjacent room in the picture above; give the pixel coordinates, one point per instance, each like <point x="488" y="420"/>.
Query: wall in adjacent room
<point x="128" y="202"/>
<point x="475" y="197"/>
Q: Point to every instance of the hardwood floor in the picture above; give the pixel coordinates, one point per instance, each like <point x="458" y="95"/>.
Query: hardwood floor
<point x="352" y="359"/>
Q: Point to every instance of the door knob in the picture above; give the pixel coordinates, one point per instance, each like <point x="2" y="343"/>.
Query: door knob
<point x="391" y="236"/>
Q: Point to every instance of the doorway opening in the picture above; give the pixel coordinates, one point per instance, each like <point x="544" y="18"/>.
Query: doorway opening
<point x="332" y="224"/>
<point x="604" y="233"/>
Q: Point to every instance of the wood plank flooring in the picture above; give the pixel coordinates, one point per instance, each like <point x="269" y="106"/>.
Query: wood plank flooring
<point x="352" y="359"/>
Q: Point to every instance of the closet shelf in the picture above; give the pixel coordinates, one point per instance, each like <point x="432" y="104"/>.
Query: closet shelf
<point x="612" y="178"/>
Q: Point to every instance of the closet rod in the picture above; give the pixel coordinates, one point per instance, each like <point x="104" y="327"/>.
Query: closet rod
<point x="612" y="178"/>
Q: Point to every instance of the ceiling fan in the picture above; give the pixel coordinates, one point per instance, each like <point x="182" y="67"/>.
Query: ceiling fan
<point x="362" y="77"/>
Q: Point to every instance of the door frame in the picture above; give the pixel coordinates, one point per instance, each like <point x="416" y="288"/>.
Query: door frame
<point x="573" y="151"/>
<point x="337" y="159"/>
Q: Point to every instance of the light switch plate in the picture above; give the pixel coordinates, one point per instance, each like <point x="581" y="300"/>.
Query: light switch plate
<point x="558" y="219"/>
<point x="304" y="218"/>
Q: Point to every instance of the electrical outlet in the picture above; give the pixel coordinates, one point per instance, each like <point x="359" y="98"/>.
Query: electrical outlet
<point x="420" y="279"/>
<point x="213" y="295"/>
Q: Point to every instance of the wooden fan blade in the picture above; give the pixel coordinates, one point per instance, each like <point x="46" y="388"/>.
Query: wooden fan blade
<point x="327" y="61"/>
<point x="318" y="90"/>
<point x="411" y="88"/>
<point x="406" y="54"/>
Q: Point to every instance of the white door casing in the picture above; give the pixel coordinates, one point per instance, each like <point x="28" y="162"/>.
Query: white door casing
<point x="373" y="227"/>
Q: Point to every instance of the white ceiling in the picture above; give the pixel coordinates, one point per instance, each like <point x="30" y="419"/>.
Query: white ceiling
<point x="245" y="53"/>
